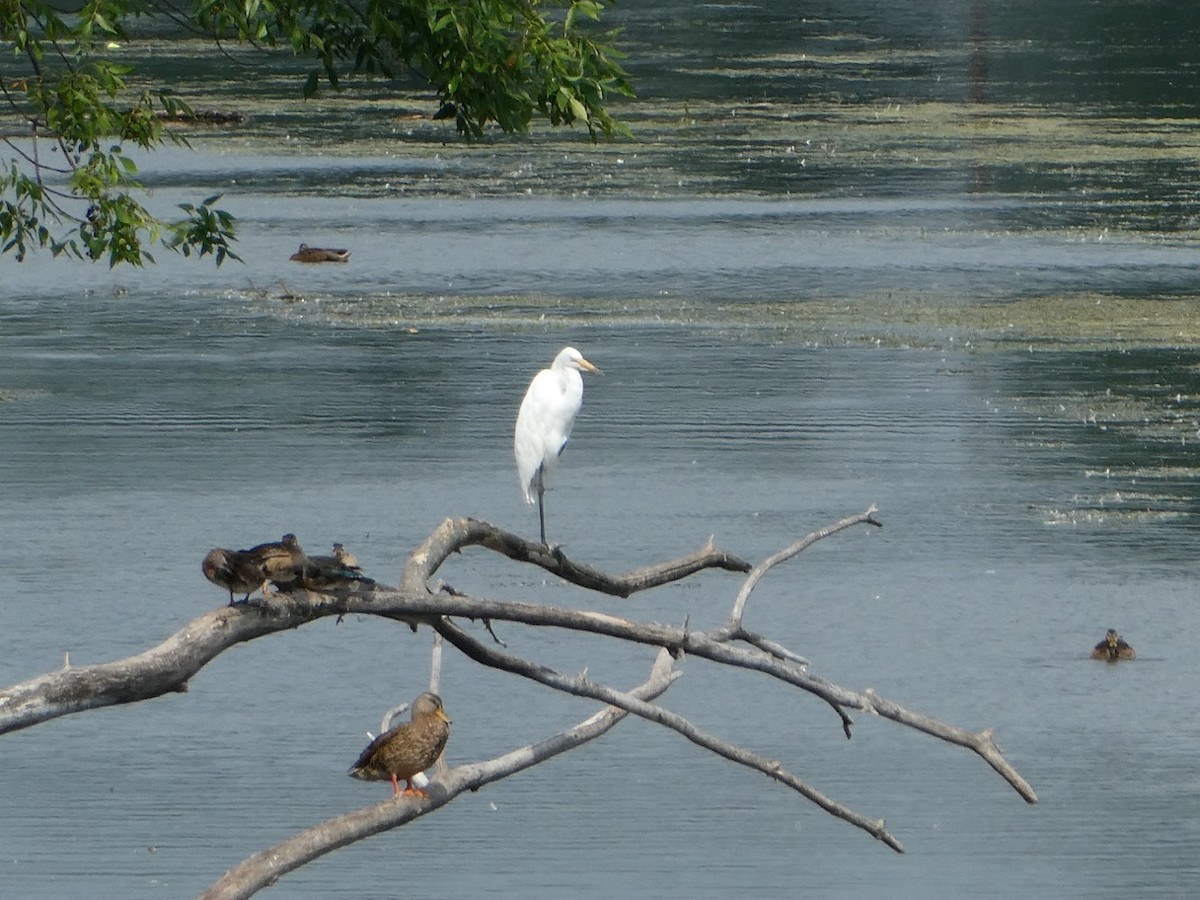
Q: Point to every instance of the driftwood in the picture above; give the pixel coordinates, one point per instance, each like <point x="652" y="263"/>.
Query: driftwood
<point x="168" y="667"/>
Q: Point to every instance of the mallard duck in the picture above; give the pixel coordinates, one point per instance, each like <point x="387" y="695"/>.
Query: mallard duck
<point x="407" y="749"/>
<point x="282" y="563"/>
<point x="307" y="254"/>
<point x="1112" y="648"/>
<point x="232" y="570"/>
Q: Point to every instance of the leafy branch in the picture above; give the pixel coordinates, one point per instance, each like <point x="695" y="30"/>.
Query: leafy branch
<point x="68" y="112"/>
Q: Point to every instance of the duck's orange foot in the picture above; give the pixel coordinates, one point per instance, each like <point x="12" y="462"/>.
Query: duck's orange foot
<point x="411" y="791"/>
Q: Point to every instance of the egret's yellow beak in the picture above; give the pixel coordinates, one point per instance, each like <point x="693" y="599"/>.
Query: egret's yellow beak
<point x="586" y="366"/>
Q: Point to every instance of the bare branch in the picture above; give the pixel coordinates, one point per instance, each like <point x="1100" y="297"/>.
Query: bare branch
<point x="981" y="742"/>
<point x="455" y="534"/>
<point x="265" y="868"/>
<point x="168" y="667"/>
<point x="581" y="686"/>
<point x="765" y="644"/>
<point x="756" y="574"/>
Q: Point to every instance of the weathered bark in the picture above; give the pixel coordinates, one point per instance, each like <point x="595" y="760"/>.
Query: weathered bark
<point x="265" y="868"/>
<point x="168" y="667"/>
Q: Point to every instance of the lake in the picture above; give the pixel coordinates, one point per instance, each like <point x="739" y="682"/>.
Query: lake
<point x="933" y="258"/>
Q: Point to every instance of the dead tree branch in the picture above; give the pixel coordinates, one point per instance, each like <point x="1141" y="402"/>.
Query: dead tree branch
<point x="169" y="666"/>
<point x="265" y="868"/>
<point x="455" y="534"/>
<point x="581" y="686"/>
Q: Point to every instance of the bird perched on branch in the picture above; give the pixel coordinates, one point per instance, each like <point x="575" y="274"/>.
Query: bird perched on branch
<point x="345" y="557"/>
<point x="232" y="570"/>
<point x="407" y="749"/>
<point x="330" y="571"/>
<point x="307" y="254"/>
<point x="544" y="423"/>
<point x="281" y="563"/>
<point x="1113" y="648"/>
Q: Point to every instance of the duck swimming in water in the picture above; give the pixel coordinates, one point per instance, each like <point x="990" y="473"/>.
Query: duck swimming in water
<point x="307" y="254"/>
<point x="1113" y="648"/>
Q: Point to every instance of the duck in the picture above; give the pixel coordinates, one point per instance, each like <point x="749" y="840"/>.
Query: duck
<point x="307" y="254"/>
<point x="345" y="557"/>
<point x="1113" y="648"/>
<point x="281" y="562"/>
<point x="409" y="748"/>
<point x="330" y="571"/>
<point x="232" y="570"/>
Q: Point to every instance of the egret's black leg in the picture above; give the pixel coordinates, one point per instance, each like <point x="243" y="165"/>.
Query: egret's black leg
<point x="542" y="510"/>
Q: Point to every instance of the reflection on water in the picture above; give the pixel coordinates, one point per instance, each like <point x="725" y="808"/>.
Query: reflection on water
<point x="787" y="281"/>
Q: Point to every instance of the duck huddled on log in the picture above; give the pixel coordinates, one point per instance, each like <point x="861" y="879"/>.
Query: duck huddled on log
<point x="282" y="564"/>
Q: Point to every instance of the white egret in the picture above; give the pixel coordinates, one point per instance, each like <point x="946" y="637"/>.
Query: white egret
<point x="545" y="421"/>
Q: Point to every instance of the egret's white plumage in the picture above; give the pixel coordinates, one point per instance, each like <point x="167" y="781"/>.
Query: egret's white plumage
<point x="545" y="421"/>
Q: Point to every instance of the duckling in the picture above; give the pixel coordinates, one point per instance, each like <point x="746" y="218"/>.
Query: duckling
<point x="232" y="570"/>
<point x="307" y="254"/>
<point x="1113" y="648"/>
<point x="407" y="749"/>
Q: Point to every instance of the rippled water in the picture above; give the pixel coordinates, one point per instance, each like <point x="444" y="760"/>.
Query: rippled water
<point x="1032" y="495"/>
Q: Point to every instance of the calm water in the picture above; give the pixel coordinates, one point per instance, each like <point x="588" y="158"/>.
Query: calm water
<point x="1032" y="498"/>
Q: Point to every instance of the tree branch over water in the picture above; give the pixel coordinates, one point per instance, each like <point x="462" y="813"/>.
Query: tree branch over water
<point x="168" y="667"/>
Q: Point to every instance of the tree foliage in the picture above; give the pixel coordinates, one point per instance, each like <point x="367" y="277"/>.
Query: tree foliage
<point x="69" y="113"/>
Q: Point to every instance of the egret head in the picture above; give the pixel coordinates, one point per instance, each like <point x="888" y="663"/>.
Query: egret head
<point x="570" y="358"/>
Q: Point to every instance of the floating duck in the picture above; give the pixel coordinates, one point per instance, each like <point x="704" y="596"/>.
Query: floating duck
<point x="307" y="254"/>
<point x="407" y="749"/>
<point x="1113" y="648"/>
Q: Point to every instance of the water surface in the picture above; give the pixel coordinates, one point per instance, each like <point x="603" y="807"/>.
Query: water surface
<point x="761" y="310"/>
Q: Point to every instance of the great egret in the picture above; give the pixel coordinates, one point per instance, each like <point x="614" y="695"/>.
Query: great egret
<point x="545" y="421"/>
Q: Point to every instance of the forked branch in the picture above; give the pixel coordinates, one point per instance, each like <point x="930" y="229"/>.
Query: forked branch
<point x="169" y="666"/>
<point x="266" y="867"/>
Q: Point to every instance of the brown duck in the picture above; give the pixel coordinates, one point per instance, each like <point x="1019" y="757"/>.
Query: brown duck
<point x="232" y="570"/>
<point x="337" y="570"/>
<point x="307" y="254"/>
<point x="282" y="562"/>
<point x="407" y="749"/>
<point x="1113" y="648"/>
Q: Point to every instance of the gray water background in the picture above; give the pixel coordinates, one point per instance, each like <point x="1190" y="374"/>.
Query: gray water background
<point x="1032" y="495"/>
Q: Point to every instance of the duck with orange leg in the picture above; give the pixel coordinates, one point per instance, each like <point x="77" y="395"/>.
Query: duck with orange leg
<point x="408" y="749"/>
